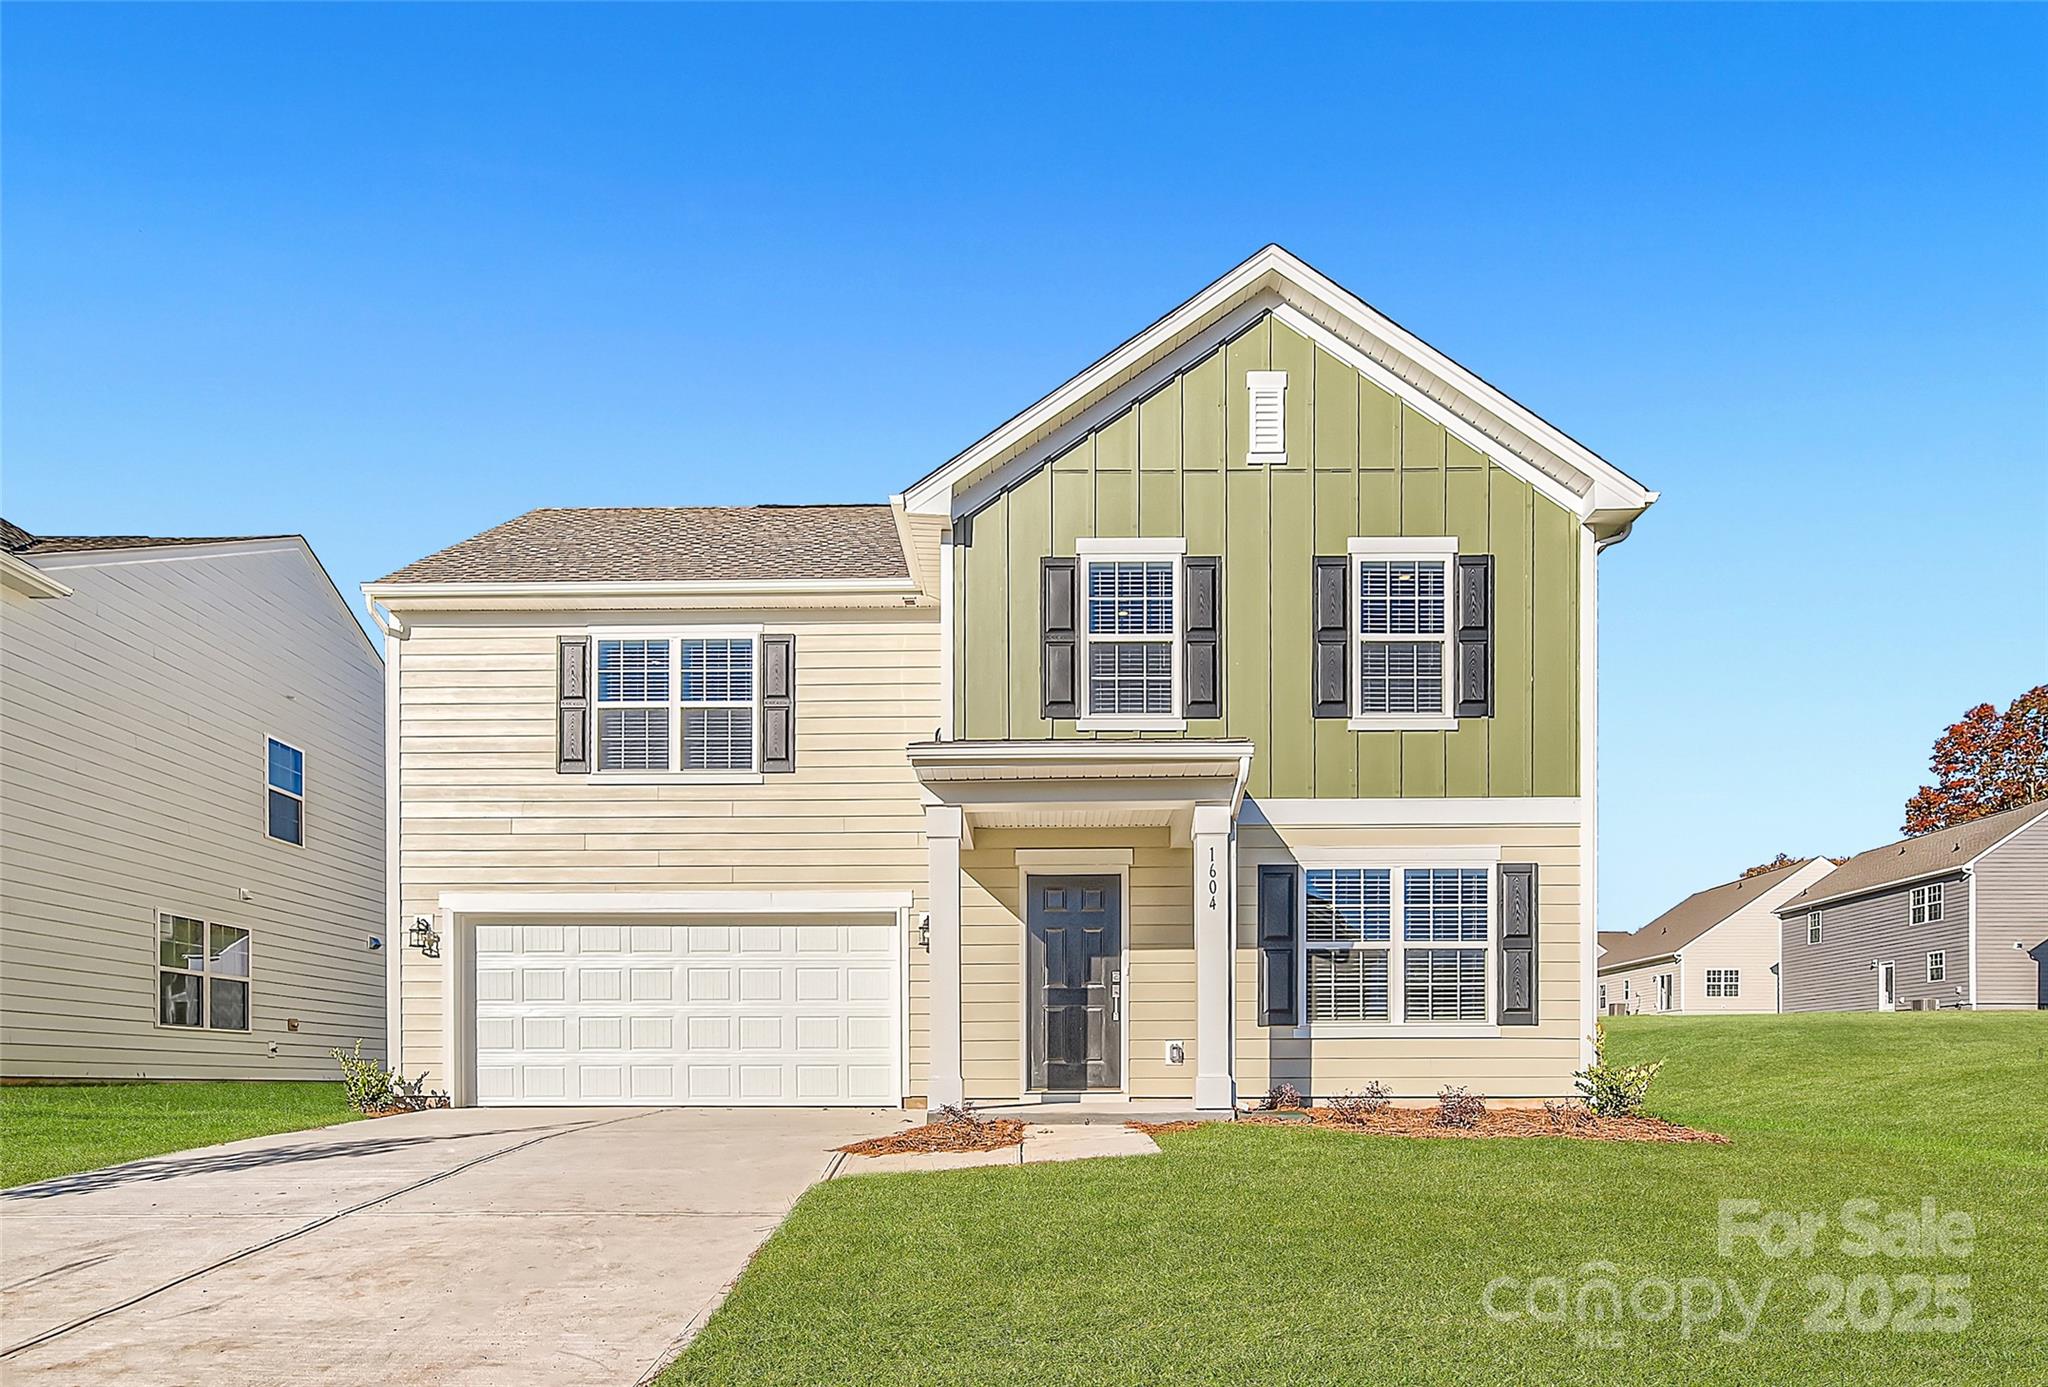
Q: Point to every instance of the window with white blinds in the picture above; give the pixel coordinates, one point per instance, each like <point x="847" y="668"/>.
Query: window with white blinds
<point x="1397" y="945"/>
<point x="1401" y="594"/>
<point x="1131" y="628"/>
<point x="678" y="702"/>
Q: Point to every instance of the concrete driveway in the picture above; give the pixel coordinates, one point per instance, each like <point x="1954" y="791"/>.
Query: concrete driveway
<point x="498" y="1247"/>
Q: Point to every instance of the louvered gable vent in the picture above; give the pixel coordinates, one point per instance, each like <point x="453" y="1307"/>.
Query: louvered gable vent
<point x="1268" y="391"/>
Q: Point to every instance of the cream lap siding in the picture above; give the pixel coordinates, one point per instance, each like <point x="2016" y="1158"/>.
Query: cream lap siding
<point x="1747" y="940"/>
<point x="1159" y="986"/>
<point x="2012" y="909"/>
<point x="1836" y="974"/>
<point x="1641" y="988"/>
<point x="1520" y="1063"/>
<point x="483" y="807"/>
<point x="132" y="769"/>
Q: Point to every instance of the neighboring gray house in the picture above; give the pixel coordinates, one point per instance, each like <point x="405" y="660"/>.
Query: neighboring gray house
<point x="192" y="832"/>
<point x="1955" y="918"/>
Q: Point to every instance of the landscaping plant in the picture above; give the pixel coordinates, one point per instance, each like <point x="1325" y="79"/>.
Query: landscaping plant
<point x="1355" y="1107"/>
<point x="1458" y="1107"/>
<point x="1614" y="1090"/>
<point x="1281" y="1096"/>
<point x="371" y="1088"/>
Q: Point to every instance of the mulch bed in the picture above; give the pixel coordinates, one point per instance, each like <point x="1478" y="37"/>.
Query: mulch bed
<point x="1505" y="1122"/>
<point x="990" y="1134"/>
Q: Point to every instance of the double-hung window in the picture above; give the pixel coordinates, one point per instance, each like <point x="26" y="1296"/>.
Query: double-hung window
<point x="1398" y="945"/>
<point x="1937" y="965"/>
<point x="284" y="792"/>
<point x="1401" y="591"/>
<point x="202" y="974"/>
<point x="682" y="703"/>
<point x="1926" y="903"/>
<point x="1813" y="927"/>
<point x="1131" y="631"/>
<point x="1724" y="982"/>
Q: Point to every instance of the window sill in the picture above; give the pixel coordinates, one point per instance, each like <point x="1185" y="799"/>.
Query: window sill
<point x="677" y="778"/>
<point x="1381" y="1030"/>
<point x="1112" y="722"/>
<point x="1403" y="724"/>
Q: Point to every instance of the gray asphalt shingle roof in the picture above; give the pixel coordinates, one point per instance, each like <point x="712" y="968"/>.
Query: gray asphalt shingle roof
<point x="677" y="544"/>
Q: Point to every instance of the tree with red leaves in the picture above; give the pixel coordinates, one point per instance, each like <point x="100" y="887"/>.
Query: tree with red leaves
<point x="1987" y="763"/>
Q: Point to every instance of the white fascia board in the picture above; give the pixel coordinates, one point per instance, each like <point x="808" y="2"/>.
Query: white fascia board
<point x="719" y="588"/>
<point x="600" y="904"/>
<point x="1080" y="753"/>
<point x="1276" y="274"/>
<point x="27" y="579"/>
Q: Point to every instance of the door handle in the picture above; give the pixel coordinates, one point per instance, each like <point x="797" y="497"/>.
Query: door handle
<point x="1116" y="994"/>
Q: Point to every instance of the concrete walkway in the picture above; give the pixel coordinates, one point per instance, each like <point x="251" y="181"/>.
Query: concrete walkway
<point x="486" y="1247"/>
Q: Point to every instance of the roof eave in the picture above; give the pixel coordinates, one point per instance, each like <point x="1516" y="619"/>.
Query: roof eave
<point x="836" y="591"/>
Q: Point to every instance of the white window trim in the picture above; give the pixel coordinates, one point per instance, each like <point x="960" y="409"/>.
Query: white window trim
<point x="1088" y="551"/>
<point x="1924" y="905"/>
<point x="1937" y="965"/>
<point x="1397" y="1025"/>
<point x="675" y="775"/>
<point x="1729" y="982"/>
<point x="1813" y="927"/>
<point x="1397" y="548"/>
<point x="1666" y="993"/>
<point x="205" y="975"/>
<point x="1256" y="382"/>
<point x="299" y="795"/>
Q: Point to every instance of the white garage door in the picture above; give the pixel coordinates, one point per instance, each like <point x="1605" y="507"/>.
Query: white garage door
<point x="718" y="1014"/>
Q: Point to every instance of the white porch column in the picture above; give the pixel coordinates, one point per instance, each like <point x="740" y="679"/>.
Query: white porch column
<point x="1215" y="870"/>
<point x="942" y="828"/>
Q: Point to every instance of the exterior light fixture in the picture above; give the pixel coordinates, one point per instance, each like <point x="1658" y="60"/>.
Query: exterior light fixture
<point x="924" y="933"/>
<point x="424" y="937"/>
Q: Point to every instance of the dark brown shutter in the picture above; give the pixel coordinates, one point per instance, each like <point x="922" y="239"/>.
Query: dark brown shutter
<point x="572" y="697"/>
<point x="1331" y="686"/>
<point x="1203" y="632"/>
<point x="1475" y="636"/>
<point x="1058" y="605"/>
<point x="1279" y="999"/>
<point x="778" y="704"/>
<point x="1518" y="943"/>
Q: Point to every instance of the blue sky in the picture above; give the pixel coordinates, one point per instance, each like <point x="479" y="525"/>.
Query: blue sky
<point x="390" y="275"/>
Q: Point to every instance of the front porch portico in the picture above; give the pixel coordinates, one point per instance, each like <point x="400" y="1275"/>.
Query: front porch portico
<point x="1081" y="907"/>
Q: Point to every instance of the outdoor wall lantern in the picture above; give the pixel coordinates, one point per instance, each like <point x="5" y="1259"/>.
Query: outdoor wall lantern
<point x="924" y="933"/>
<point x="424" y="937"/>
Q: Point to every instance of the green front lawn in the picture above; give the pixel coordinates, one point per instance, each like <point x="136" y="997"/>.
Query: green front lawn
<point x="53" y="1130"/>
<point x="1273" y="1255"/>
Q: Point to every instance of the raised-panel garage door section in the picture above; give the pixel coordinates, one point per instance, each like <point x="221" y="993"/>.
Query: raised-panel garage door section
<point x="718" y="1014"/>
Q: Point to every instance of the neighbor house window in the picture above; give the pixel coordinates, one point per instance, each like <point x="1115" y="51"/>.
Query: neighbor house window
<point x="1724" y="982"/>
<point x="1663" y="992"/>
<point x="202" y="974"/>
<point x="1603" y="996"/>
<point x="1401" y="592"/>
<point x="1927" y="903"/>
<point x="1813" y="927"/>
<point x="1131" y="628"/>
<point x="1937" y="965"/>
<point x="284" y="776"/>
<point x="683" y="700"/>
<point x="1397" y="944"/>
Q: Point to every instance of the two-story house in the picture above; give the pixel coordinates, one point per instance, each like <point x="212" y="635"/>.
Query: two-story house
<point x="1226" y="717"/>
<point x="191" y="810"/>
<point x="1953" y="918"/>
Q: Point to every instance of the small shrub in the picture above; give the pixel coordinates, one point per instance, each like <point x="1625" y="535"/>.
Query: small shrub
<point x="961" y="1115"/>
<point x="1281" y="1096"/>
<point x="1356" y="1108"/>
<point x="1614" y="1090"/>
<point x="1456" y="1107"/>
<point x="370" y="1087"/>
<point x="1569" y="1115"/>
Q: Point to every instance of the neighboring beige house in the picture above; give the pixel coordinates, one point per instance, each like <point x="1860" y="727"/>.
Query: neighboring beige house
<point x="1953" y="918"/>
<point x="1226" y="717"/>
<point x="192" y="832"/>
<point x="1715" y="952"/>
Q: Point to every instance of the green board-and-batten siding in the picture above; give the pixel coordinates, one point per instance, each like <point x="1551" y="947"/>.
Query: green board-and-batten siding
<point x="1360" y="462"/>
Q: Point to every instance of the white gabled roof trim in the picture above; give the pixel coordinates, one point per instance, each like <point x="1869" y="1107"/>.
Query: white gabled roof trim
<point x="1278" y="281"/>
<point x="26" y="578"/>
